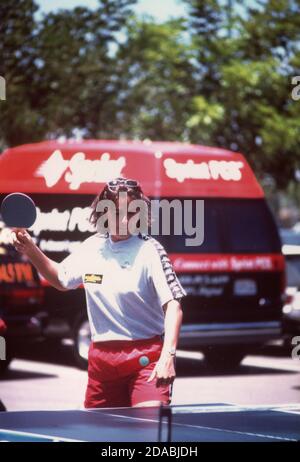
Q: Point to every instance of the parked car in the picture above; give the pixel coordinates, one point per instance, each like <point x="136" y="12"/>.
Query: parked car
<point x="234" y="279"/>
<point x="21" y="299"/>
<point x="291" y="308"/>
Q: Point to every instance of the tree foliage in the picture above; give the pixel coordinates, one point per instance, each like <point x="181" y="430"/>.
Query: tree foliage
<point x="246" y="59"/>
<point x="219" y="76"/>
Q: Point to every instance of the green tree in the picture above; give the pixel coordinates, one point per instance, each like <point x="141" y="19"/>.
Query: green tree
<point x="221" y="76"/>
<point x="156" y="82"/>
<point x="244" y="81"/>
<point x="18" y="116"/>
<point x="60" y="70"/>
<point x="78" y="68"/>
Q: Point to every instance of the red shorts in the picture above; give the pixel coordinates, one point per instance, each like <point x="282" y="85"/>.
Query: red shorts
<point x="116" y="378"/>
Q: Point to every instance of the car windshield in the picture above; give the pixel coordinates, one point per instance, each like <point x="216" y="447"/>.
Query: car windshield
<point x="293" y="270"/>
<point x="230" y="226"/>
<point x="290" y="237"/>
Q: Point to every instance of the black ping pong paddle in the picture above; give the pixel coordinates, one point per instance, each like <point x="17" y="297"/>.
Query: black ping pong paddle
<point x="18" y="210"/>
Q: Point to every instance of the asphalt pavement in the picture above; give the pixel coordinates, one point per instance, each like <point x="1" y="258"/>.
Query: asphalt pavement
<point x="44" y="377"/>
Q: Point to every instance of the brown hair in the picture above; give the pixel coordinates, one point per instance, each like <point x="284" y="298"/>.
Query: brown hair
<point x="106" y="193"/>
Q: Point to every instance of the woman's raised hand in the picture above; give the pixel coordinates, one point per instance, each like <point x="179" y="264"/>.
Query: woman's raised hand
<point x="21" y="240"/>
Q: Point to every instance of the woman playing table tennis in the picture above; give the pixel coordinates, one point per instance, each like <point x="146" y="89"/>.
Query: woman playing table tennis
<point x="133" y="302"/>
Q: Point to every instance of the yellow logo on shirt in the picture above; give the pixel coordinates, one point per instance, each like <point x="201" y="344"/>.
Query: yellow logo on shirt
<point x="94" y="278"/>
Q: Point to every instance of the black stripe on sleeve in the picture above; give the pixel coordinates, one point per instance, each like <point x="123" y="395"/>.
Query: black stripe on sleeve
<point x="175" y="286"/>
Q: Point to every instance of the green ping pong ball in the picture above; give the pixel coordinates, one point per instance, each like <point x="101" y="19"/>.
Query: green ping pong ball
<point x="144" y="361"/>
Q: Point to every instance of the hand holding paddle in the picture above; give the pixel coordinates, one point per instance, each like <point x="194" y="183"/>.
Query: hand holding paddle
<point x="19" y="212"/>
<point x="22" y="241"/>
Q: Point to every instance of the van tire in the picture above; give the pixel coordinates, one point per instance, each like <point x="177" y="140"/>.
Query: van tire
<point x="221" y="359"/>
<point x="81" y="338"/>
<point x="4" y="364"/>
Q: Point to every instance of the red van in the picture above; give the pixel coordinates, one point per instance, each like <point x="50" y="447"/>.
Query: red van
<point x="235" y="279"/>
<point x="21" y="299"/>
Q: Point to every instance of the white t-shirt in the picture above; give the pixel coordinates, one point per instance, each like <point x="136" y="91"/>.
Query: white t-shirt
<point x="126" y="284"/>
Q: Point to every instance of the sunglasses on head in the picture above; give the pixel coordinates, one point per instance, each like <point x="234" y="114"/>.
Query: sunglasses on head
<point x="113" y="185"/>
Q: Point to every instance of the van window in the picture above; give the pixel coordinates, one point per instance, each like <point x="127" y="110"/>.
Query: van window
<point x="293" y="270"/>
<point x="231" y="226"/>
<point x="212" y="231"/>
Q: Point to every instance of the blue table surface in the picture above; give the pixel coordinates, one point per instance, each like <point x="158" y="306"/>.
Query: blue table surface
<point x="189" y="423"/>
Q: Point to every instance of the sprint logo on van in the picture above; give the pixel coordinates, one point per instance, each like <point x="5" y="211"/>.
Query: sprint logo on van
<point x="16" y="272"/>
<point x="211" y="170"/>
<point x="78" y="169"/>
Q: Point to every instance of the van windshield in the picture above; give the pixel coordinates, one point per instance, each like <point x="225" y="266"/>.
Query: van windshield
<point x="230" y="226"/>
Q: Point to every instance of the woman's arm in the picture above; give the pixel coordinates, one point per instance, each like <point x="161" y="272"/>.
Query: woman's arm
<point x="173" y="320"/>
<point x="48" y="268"/>
<point x="164" y="370"/>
